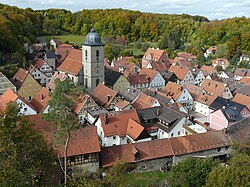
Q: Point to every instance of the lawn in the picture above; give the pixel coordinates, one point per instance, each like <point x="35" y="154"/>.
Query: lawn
<point x="66" y="36"/>
<point x="145" y="179"/>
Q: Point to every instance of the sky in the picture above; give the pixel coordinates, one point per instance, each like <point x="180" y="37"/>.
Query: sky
<point x="212" y="9"/>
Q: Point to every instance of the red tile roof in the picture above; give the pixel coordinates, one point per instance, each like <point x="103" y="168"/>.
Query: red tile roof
<point x="242" y="99"/>
<point x="39" y="63"/>
<point x="144" y="101"/>
<point x="155" y="54"/>
<point x="123" y="61"/>
<point x="51" y="84"/>
<point x="240" y="72"/>
<point x="245" y="81"/>
<point x="73" y="63"/>
<point x="149" y="72"/>
<point x="103" y="95"/>
<point x="19" y="77"/>
<point x="213" y="87"/>
<point x="186" y="55"/>
<point x="173" y="90"/>
<point x="41" y="99"/>
<point x="122" y="104"/>
<point x="135" y="79"/>
<point x="207" y="70"/>
<point x="179" y="71"/>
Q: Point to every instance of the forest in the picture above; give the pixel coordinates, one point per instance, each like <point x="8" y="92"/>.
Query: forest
<point x="170" y="31"/>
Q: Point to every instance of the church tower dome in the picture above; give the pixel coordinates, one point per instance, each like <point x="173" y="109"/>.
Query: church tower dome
<point x="93" y="39"/>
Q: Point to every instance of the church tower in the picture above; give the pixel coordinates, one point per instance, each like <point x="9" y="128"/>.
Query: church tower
<point x="93" y="60"/>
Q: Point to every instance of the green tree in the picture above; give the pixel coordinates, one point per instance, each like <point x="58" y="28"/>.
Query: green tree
<point x="191" y="172"/>
<point x="222" y="51"/>
<point x="62" y="117"/>
<point x="25" y="158"/>
<point x="163" y="42"/>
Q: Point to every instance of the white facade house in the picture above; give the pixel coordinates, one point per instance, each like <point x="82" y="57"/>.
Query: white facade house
<point x="157" y="82"/>
<point x="185" y="99"/>
<point x="41" y="77"/>
<point x="223" y="75"/>
<point x="199" y="77"/>
<point x="188" y="79"/>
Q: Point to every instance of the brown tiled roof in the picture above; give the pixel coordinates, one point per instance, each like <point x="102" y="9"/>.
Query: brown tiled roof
<point x="10" y="96"/>
<point x="213" y="87"/>
<point x="199" y="142"/>
<point x="39" y="63"/>
<point x="164" y="148"/>
<point x="194" y="90"/>
<point x="117" y="123"/>
<point x="122" y="104"/>
<point x="207" y="70"/>
<point x="136" y="78"/>
<point x="220" y="61"/>
<point x="123" y="61"/>
<point x="103" y="95"/>
<point x="159" y="66"/>
<point x="82" y="141"/>
<point x="73" y="63"/>
<point x="242" y="99"/>
<point x="186" y="55"/>
<point x="80" y="102"/>
<point x="106" y="63"/>
<point x="40" y="100"/>
<point x="149" y="72"/>
<point x="204" y="98"/>
<point x="240" y="72"/>
<point x="144" y="101"/>
<point x="62" y="52"/>
<point x="179" y="71"/>
<point x="19" y="77"/>
<point x="155" y="53"/>
<point x="173" y="90"/>
<point x="60" y="76"/>
<point x="245" y="81"/>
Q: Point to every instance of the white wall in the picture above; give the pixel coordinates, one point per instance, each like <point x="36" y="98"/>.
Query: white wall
<point x="157" y="82"/>
<point x="186" y="99"/>
<point x="24" y="108"/>
<point x="199" y="78"/>
<point x="201" y="108"/>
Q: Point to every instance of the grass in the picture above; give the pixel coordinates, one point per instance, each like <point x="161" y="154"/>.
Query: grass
<point x="66" y="36"/>
<point x="146" y="178"/>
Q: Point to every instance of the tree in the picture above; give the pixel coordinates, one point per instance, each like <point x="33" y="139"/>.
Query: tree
<point x="191" y="172"/>
<point x="236" y="174"/>
<point x="25" y="158"/>
<point x="62" y="117"/>
<point x="222" y="51"/>
<point x="163" y="42"/>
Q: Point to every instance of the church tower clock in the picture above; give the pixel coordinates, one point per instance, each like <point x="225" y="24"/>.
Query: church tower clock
<point x="93" y="60"/>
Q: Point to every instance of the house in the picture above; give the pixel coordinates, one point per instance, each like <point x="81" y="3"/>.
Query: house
<point x="169" y="76"/>
<point x="155" y="59"/>
<point x="161" y="97"/>
<point x="44" y="67"/>
<point x="122" y="62"/>
<point x="224" y="75"/>
<point x="130" y="94"/>
<point x="5" y="83"/>
<point x="198" y="76"/>
<point x="202" y="102"/>
<point x="212" y="87"/>
<point x="120" y="128"/>
<point x="138" y="81"/>
<point x="60" y="76"/>
<point x="123" y="105"/>
<point x="10" y="96"/>
<point x="55" y="43"/>
<point x="208" y="70"/>
<point x="156" y="81"/>
<point x="226" y="113"/>
<point x="162" y="122"/>
<point x="162" y="154"/>
<point x="50" y="59"/>
<point x="72" y="66"/>
<point x="87" y="109"/>
<point x="27" y="86"/>
<point x="242" y="99"/>
<point x="211" y="51"/>
<point x="131" y="69"/>
<point x="240" y="73"/>
<point x="184" y="75"/>
<point x="245" y="81"/>
<point x="145" y="101"/>
<point x="244" y="58"/>
<point x="187" y="56"/>
<point x="41" y="101"/>
<point x="104" y="96"/>
<point x="179" y="94"/>
<point x="83" y="152"/>
<point x="38" y="75"/>
<point x="115" y="80"/>
<point x="220" y="62"/>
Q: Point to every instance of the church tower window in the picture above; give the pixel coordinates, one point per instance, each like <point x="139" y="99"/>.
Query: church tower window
<point x="86" y="55"/>
<point x="97" y="55"/>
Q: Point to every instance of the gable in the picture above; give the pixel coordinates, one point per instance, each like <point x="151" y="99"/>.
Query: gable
<point x="185" y="95"/>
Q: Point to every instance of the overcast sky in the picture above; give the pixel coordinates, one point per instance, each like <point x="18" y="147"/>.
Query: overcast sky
<point x="212" y="9"/>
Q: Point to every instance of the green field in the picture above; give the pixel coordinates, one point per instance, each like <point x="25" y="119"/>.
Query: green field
<point x="66" y="36"/>
<point x="146" y="178"/>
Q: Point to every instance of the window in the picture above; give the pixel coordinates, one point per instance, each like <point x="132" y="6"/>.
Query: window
<point x="86" y="83"/>
<point x="29" y="97"/>
<point x="172" y="134"/>
<point x="97" y="55"/>
<point x="25" y="109"/>
<point x="179" y="133"/>
<point x="114" y="137"/>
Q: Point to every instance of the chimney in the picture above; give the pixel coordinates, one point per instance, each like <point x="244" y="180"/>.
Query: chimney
<point x="155" y="92"/>
<point x="109" y="97"/>
<point x="43" y="97"/>
<point x="157" y="112"/>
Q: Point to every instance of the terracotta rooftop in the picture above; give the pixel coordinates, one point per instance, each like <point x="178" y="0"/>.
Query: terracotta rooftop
<point x="207" y="70"/>
<point x="122" y="104"/>
<point x="57" y="75"/>
<point x="103" y="95"/>
<point x="123" y="61"/>
<point x="40" y="100"/>
<point x="164" y="148"/>
<point x="144" y="101"/>
<point x="172" y="89"/>
<point x="159" y="66"/>
<point x="62" y="52"/>
<point x="10" y="96"/>
<point x="242" y="99"/>
<point x="149" y="72"/>
<point x="19" y="77"/>
<point x="179" y="71"/>
<point x="245" y="81"/>
<point x="194" y="90"/>
<point x="39" y="63"/>
<point x="204" y="98"/>
<point x="154" y="53"/>
<point x="213" y="87"/>
<point x="186" y="55"/>
<point x="121" y="123"/>
<point x="73" y="63"/>
<point x="135" y="79"/>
